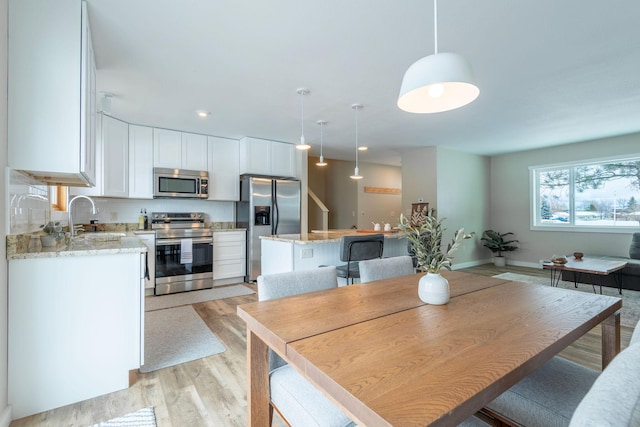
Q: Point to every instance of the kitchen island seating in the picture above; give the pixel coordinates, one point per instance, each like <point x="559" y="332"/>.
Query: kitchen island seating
<point x="563" y="393"/>
<point x="385" y="268"/>
<point x="297" y="401"/>
<point x="358" y="248"/>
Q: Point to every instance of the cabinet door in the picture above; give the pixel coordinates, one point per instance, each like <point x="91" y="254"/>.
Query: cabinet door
<point x="194" y="152"/>
<point x="224" y="182"/>
<point x="283" y="159"/>
<point x="140" y="162"/>
<point x="255" y="156"/>
<point x="167" y="148"/>
<point x="115" y="148"/>
<point x="88" y="100"/>
<point x="44" y="75"/>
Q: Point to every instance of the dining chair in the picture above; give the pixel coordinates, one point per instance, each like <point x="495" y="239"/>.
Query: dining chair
<point x="384" y="268"/>
<point x="354" y="249"/>
<point x="297" y="401"/>
<point x="558" y="393"/>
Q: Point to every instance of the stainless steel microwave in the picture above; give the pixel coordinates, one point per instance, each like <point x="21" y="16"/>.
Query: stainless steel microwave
<point x="180" y="183"/>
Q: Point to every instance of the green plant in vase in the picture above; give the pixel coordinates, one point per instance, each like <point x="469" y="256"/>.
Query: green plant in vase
<point x="424" y="231"/>
<point x="53" y="233"/>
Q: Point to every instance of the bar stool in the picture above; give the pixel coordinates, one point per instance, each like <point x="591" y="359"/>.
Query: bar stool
<point x="358" y="248"/>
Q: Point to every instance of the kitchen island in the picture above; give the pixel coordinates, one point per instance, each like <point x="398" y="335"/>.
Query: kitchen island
<point x="291" y="252"/>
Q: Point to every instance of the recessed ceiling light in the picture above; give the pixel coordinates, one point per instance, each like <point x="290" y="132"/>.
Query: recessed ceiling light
<point x="363" y="148"/>
<point x="203" y="113"/>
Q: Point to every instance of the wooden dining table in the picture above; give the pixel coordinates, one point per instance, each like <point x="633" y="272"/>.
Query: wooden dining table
<point x="388" y="359"/>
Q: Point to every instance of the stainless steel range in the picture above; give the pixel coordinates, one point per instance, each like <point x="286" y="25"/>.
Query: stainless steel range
<point x="184" y="252"/>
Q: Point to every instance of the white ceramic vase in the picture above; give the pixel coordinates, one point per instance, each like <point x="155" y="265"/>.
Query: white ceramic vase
<point x="433" y="289"/>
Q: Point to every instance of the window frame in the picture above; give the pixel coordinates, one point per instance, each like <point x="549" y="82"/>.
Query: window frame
<point x="535" y="223"/>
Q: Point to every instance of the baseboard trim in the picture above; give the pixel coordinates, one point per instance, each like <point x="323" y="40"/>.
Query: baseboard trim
<point x="5" y="418"/>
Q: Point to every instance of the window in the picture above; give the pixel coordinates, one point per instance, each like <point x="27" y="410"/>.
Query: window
<point x="594" y="196"/>
<point x="58" y="197"/>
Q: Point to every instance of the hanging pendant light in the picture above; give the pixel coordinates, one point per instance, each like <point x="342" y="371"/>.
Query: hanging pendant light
<point x="356" y="171"/>
<point x="438" y="82"/>
<point x="302" y="145"/>
<point x="321" y="162"/>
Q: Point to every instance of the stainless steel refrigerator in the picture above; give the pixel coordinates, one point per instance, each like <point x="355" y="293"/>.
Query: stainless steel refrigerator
<point x="267" y="206"/>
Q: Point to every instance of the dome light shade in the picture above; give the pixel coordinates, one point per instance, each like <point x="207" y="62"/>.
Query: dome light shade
<point x="436" y="83"/>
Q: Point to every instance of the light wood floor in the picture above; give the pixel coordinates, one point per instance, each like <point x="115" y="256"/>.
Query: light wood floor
<point x="211" y="391"/>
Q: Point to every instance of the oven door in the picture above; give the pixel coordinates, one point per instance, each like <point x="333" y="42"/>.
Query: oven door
<point x="171" y="268"/>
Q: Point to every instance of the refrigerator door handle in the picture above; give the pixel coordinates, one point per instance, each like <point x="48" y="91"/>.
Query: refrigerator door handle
<point x="276" y="216"/>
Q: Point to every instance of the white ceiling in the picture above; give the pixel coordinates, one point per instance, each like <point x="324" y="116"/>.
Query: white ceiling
<point x="550" y="71"/>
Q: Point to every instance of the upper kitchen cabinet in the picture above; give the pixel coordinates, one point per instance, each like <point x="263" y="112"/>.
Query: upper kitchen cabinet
<point x="224" y="169"/>
<point x="179" y="150"/>
<point x="264" y="157"/>
<point x="140" y="162"/>
<point x="51" y="92"/>
<point x="112" y="178"/>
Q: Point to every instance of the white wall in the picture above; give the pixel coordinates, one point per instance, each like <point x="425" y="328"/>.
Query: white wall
<point x="463" y="195"/>
<point x="456" y="184"/>
<point x="419" y="177"/>
<point x="510" y="201"/>
<point x="5" y="410"/>
<point x="378" y="207"/>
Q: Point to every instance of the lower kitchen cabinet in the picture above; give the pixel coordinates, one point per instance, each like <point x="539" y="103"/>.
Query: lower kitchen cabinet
<point x="229" y="257"/>
<point x="75" y="328"/>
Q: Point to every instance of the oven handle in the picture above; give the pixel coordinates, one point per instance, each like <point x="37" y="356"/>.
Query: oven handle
<point x="161" y="242"/>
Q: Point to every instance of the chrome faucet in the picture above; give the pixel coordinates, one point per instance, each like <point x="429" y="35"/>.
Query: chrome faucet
<point x="93" y="211"/>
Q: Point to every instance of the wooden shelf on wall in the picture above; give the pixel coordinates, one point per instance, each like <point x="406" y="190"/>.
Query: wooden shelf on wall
<point x="382" y="190"/>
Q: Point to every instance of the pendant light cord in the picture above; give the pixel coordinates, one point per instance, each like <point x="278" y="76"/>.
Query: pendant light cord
<point x="435" y="24"/>
<point x="356" y="137"/>
<point x="321" y="138"/>
<point x="302" y="117"/>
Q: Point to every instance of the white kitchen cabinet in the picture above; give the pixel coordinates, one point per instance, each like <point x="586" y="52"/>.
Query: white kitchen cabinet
<point x="194" y="152"/>
<point x="51" y="93"/>
<point x="140" y="162"/>
<point x="264" y="157"/>
<point x="283" y="160"/>
<point x="224" y="167"/>
<point x="167" y="148"/>
<point x="179" y="150"/>
<point x="115" y="157"/>
<point x="229" y="256"/>
<point x="74" y="329"/>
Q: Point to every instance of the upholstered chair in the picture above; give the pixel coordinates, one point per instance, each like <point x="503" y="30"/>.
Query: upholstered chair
<point x="385" y="268"/>
<point x="297" y="401"/>
<point x="555" y="394"/>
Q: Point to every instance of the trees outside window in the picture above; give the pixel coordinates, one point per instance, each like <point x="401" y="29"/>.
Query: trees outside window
<point x="603" y="194"/>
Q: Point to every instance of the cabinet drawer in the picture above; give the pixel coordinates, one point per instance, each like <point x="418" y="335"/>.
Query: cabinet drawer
<point x="228" y="236"/>
<point x="227" y="269"/>
<point x="228" y="251"/>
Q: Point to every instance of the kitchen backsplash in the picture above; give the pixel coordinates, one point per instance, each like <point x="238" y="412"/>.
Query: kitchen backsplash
<point x="30" y="207"/>
<point x="29" y="204"/>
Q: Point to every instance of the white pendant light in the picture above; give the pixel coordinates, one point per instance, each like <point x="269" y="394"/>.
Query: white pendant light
<point x="321" y="161"/>
<point x="356" y="171"/>
<point x="438" y="82"/>
<point x="302" y="145"/>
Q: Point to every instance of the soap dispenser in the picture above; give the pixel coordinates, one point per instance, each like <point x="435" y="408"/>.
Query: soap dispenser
<point x="141" y="221"/>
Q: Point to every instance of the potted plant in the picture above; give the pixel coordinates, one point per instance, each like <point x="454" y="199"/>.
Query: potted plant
<point x="424" y="231"/>
<point x="497" y="244"/>
<point x="54" y="234"/>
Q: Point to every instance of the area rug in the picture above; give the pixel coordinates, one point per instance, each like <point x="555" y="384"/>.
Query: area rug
<point x="145" y="417"/>
<point x="176" y="335"/>
<point x="629" y="315"/>
<point x="185" y="298"/>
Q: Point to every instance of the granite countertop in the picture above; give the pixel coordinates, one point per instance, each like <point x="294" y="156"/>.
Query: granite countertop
<point x="87" y="245"/>
<point x="329" y="236"/>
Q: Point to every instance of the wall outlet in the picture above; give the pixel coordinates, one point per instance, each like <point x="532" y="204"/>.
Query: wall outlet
<point x="306" y="253"/>
<point x="113" y="216"/>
